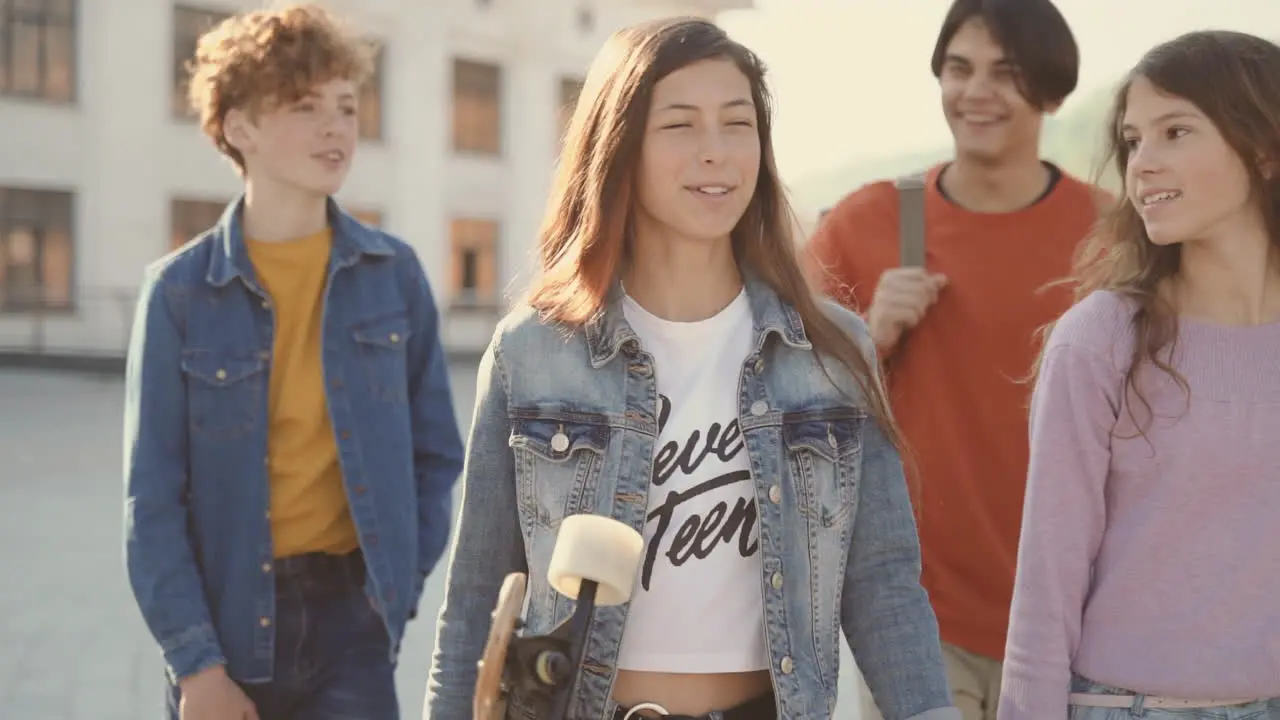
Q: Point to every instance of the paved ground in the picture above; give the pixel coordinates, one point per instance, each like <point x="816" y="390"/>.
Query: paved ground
<point x="72" y="646"/>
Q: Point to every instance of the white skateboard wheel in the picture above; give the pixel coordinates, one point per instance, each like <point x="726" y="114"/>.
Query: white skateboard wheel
<point x="596" y="548"/>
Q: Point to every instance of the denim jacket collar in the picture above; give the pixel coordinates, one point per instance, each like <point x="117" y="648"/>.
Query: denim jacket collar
<point x="230" y="258"/>
<point x="609" y="332"/>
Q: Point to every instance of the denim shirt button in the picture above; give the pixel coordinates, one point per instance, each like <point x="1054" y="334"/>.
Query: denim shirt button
<point x="759" y="366"/>
<point x="775" y="494"/>
<point x="264" y="621"/>
<point x="776" y="581"/>
<point x="759" y="407"/>
<point x="559" y="442"/>
<point x="221" y="374"/>
<point x="787" y="665"/>
<point x="266" y="567"/>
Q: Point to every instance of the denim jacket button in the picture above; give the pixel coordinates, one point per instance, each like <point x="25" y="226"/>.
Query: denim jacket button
<point x="221" y="374"/>
<point x="775" y="494"/>
<point x="759" y="407"/>
<point x="559" y="442"/>
<point x="759" y="366"/>
<point x="264" y="621"/>
<point x="776" y="581"/>
<point x="787" y="665"/>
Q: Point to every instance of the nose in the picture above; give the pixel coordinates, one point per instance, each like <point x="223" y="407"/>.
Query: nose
<point x="980" y="85"/>
<point x="1144" y="159"/>
<point x="711" y="146"/>
<point x="333" y="122"/>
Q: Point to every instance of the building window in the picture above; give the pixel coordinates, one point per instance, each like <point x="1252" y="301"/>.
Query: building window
<point x="570" y="90"/>
<point x="371" y="99"/>
<point x="475" y="262"/>
<point x="35" y="250"/>
<point x="38" y="49"/>
<point x="189" y="23"/>
<point x="190" y="217"/>
<point x="477" y="107"/>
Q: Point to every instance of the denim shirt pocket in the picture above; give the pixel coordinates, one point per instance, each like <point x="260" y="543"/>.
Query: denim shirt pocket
<point x="380" y="354"/>
<point x="557" y="464"/>
<point x="824" y="449"/>
<point x="225" y="393"/>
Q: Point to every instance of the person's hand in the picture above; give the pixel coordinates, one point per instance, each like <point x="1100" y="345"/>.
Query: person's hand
<point x="902" y="297"/>
<point x="212" y="695"/>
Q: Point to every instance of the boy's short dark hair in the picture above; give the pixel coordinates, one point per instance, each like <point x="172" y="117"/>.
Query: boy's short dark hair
<point x="1032" y="33"/>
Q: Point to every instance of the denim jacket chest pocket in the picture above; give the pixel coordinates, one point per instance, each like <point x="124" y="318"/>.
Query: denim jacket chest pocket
<point x="824" y="452"/>
<point x="226" y="392"/>
<point x="380" y="356"/>
<point x="557" y="466"/>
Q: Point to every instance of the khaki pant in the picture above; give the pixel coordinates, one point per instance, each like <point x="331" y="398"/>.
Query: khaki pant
<point x="974" y="681"/>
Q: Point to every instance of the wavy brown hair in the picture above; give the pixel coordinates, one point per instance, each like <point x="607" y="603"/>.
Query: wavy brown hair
<point x="582" y="242"/>
<point x="1234" y="79"/>
<point x="257" y="60"/>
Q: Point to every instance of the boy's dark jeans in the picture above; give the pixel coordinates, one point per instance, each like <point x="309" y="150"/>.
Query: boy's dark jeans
<point x="331" y="647"/>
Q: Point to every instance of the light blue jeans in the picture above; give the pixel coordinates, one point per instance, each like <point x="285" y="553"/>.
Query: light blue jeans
<point x="1258" y="710"/>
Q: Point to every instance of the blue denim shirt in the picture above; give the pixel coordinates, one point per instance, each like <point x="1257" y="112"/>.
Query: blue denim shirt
<point x="838" y="538"/>
<point x="198" y="533"/>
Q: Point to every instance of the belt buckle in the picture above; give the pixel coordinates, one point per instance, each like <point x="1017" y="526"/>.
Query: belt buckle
<point x="644" y="706"/>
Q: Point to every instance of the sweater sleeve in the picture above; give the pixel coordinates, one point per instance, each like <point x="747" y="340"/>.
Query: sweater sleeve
<point x="1073" y="412"/>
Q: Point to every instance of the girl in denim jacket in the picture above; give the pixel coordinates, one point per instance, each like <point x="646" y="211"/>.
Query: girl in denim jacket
<point x="671" y="370"/>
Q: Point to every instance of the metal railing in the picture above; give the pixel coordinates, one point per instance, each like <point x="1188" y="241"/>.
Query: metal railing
<point x="95" y="325"/>
<point x="94" y="321"/>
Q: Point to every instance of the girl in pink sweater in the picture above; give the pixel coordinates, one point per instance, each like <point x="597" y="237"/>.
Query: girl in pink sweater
<point x="1148" y="580"/>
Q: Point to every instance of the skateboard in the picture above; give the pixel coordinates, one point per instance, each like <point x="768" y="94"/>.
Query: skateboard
<point x="594" y="563"/>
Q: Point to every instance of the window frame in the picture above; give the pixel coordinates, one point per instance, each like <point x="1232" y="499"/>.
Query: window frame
<point x="46" y="208"/>
<point x="43" y="19"/>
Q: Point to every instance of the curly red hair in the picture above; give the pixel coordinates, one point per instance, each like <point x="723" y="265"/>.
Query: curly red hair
<point x="260" y="59"/>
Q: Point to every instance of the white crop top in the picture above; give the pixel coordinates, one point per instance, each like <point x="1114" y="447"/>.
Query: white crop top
<point x="697" y="605"/>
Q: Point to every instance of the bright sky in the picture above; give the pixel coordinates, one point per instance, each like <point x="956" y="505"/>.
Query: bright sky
<point x="851" y="77"/>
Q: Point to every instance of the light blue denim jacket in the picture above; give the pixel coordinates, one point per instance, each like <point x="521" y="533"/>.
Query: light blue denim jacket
<point x="197" y="531"/>
<point x="838" y="538"/>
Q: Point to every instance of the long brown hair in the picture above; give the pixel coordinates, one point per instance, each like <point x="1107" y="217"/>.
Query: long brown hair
<point x="583" y="236"/>
<point x="1234" y="79"/>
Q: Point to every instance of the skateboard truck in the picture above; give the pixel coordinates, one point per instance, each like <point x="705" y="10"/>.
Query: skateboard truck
<point x="541" y="668"/>
<point x="594" y="563"/>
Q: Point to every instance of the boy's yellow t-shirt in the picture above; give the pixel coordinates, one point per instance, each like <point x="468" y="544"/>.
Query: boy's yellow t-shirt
<point x="309" y="509"/>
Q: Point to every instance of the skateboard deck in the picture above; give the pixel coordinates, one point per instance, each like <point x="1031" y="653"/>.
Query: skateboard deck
<point x="594" y="563"/>
<point x="490" y="701"/>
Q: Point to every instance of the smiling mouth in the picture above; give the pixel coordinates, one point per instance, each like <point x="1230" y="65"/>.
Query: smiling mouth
<point x="980" y="119"/>
<point x="332" y="156"/>
<point x="710" y="190"/>
<point x="1163" y="196"/>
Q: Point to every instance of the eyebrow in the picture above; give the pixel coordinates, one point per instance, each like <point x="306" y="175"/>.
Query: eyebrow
<point x="1171" y="115"/>
<point x="740" y="102"/>
<point x="314" y="95"/>
<point x="962" y="60"/>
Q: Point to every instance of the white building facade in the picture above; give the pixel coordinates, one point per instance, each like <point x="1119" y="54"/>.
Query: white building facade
<point x="102" y="171"/>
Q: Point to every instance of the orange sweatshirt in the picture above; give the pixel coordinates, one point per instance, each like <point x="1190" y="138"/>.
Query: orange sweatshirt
<point x="955" y="379"/>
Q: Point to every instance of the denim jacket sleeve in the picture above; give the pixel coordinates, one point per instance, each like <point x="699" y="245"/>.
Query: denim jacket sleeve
<point x="161" y="565"/>
<point x="488" y="545"/>
<point x="885" y="611"/>
<point x="886" y="614"/>
<point x="437" y="444"/>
